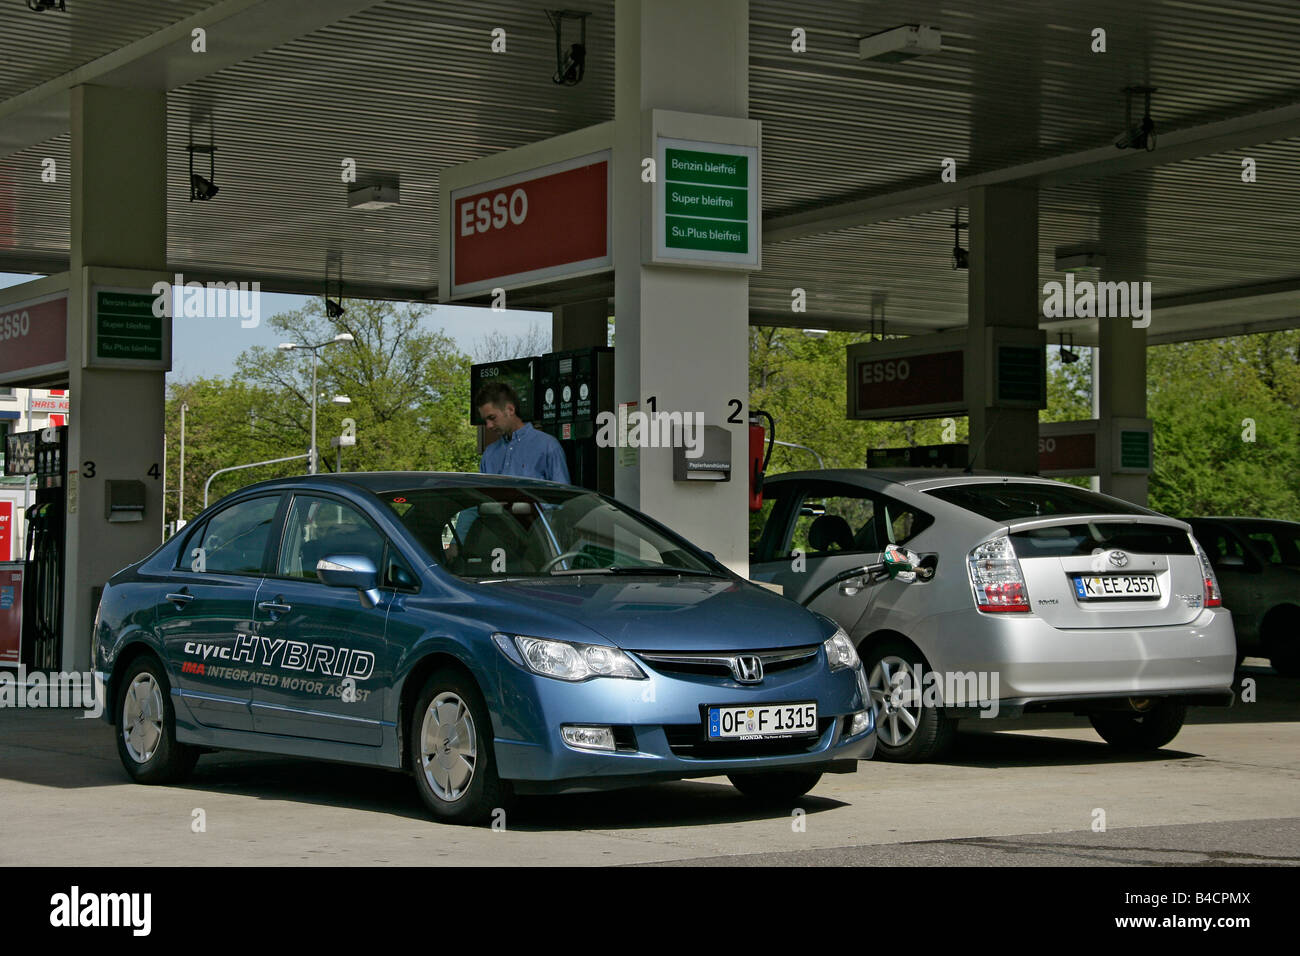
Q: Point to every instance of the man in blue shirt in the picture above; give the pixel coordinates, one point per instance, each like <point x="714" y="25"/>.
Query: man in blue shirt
<point x="522" y="450"/>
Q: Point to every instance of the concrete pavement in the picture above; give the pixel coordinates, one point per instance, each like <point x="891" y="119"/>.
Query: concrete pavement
<point x="1226" y="792"/>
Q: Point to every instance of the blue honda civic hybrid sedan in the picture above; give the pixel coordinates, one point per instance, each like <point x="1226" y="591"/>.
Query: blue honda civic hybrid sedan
<point x="488" y="635"/>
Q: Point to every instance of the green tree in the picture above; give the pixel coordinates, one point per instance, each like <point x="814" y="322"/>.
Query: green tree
<point x="409" y="391"/>
<point x="801" y="381"/>
<point x="1227" y="429"/>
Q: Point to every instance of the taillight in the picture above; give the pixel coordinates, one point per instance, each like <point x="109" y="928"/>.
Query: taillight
<point x="995" y="574"/>
<point x="1212" y="596"/>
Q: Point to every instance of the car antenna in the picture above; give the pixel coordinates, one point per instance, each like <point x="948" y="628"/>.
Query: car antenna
<point x="970" y="464"/>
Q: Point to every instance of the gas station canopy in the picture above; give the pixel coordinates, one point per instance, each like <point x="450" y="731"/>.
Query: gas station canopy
<point x="854" y="208"/>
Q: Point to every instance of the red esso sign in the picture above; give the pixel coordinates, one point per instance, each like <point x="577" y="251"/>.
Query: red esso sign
<point x="890" y="370"/>
<point x="925" y="379"/>
<point x="494" y="213"/>
<point x="538" y="228"/>
<point x="14" y="324"/>
<point x="34" y="335"/>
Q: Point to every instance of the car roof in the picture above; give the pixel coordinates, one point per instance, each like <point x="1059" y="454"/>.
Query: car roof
<point x="382" y="482"/>
<point x="919" y="479"/>
<point x="1243" y="519"/>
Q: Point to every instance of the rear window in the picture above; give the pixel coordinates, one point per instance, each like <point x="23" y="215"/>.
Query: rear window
<point x="1073" y="540"/>
<point x="1012" y="501"/>
<point x="1277" y="543"/>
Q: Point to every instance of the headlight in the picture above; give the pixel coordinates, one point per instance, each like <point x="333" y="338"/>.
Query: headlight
<point x="567" y="660"/>
<point x="840" y="652"/>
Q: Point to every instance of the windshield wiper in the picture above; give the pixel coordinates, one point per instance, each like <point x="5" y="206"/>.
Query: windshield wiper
<point x="658" y="569"/>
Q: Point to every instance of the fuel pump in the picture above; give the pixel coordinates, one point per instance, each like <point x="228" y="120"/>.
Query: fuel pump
<point x="44" y="554"/>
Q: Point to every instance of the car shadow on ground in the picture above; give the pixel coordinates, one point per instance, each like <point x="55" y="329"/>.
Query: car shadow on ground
<point x="1002" y="742"/>
<point x="1005" y="748"/>
<point x="682" y="803"/>
<point x="677" y="803"/>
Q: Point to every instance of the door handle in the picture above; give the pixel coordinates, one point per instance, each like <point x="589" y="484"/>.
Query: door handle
<point x="273" y="608"/>
<point x="180" y="599"/>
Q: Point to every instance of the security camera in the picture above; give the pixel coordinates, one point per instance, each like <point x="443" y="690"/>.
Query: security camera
<point x="1140" y="135"/>
<point x="202" y="189"/>
<point x="1065" y="353"/>
<point x="570" y="65"/>
<point x="574" y="66"/>
<point x="39" y="5"/>
<point x="333" y="309"/>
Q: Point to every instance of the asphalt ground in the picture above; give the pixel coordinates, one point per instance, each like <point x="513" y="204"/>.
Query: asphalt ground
<point x="1035" y="791"/>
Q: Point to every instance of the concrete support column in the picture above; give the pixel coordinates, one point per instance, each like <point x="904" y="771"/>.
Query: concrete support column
<point x="119" y="219"/>
<point x="681" y="333"/>
<point x="580" y="325"/>
<point x="1120" y="366"/>
<point x="1003" y="293"/>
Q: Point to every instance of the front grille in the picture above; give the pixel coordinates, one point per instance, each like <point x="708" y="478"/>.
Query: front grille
<point x="719" y="663"/>
<point x="688" y="741"/>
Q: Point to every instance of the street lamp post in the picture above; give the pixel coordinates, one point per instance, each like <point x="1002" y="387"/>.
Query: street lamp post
<point x="180" y="505"/>
<point x="314" y="349"/>
<point x="337" y="442"/>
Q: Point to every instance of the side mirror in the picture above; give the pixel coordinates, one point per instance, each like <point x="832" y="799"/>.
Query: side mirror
<point x="351" y="571"/>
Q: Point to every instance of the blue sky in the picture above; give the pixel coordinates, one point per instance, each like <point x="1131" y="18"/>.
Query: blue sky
<point x="208" y="347"/>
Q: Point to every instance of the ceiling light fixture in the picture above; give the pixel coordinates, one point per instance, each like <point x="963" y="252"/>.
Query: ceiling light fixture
<point x="376" y="195"/>
<point x="1079" y="257"/>
<point x="901" y="43"/>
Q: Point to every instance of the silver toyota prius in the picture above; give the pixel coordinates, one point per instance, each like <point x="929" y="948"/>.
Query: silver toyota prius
<point x="1033" y="595"/>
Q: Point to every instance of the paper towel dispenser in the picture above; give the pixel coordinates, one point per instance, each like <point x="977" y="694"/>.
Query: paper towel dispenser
<point x="124" y="500"/>
<point x="712" y="464"/>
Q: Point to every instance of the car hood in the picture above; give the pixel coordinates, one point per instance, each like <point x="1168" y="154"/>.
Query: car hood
<point x="648" y="614"/>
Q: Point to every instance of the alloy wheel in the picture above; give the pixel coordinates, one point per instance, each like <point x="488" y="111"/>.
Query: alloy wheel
<point x="142" y="717"/>
<point x="448" y="746"/>
<point x="895" y="700"/>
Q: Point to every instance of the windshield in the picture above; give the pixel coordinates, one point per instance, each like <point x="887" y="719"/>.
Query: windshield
<point x="495" y="532"/>
<point x="1011" y="501"/>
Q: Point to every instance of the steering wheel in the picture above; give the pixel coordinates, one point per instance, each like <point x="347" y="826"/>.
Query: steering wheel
<point x="569" y="554"/>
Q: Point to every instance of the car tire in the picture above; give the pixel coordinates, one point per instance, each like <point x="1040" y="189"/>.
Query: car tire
<point x="896" y="740"/>
<point x="1139" y="732"/>
<point x="777" y="786"/>
<point x="451" y="753"/>
<point x="1281" y="634"/>
<point x="146" y="726"/>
